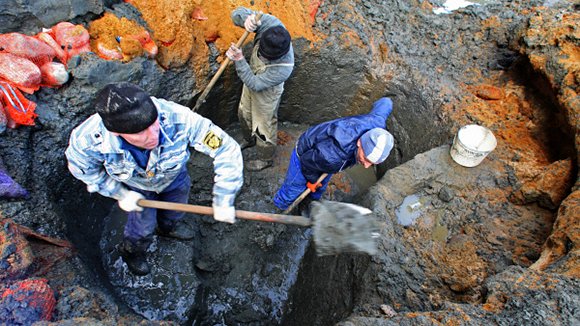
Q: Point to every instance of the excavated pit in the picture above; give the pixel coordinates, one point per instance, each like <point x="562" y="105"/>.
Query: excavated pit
<point x="260" y="262"/>
<point x="299" y="289"/>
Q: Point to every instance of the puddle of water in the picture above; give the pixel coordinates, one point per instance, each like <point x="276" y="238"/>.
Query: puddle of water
<point x="409" y="210"/>
<point x="451" y="5"/>
<point x="550" y="3"/>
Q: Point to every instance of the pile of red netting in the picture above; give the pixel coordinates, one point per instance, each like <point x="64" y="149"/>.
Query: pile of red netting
<point x="28" y="62"/>
<point x="26" y="302"/>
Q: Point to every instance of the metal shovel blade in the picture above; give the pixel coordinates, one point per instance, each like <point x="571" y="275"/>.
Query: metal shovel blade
<point x="342" y="228"/>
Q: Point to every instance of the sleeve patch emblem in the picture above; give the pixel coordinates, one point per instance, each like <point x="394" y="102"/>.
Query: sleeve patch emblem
<point x="212" y="141"/>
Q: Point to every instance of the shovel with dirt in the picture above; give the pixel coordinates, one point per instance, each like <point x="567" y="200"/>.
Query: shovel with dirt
<point x="337" y="227"/>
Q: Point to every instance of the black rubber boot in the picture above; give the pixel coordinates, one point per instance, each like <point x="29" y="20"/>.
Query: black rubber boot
<point x="135" y="258"/>
<point x="180" y="230"/>
<point x="247" y="143"/>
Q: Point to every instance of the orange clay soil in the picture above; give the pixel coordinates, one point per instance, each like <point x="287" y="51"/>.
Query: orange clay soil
<point x="182" y="28"/>
<point x="503" y="105"/>
<point x="514" y="119"/>
<point x="104" y="31"/>
<point x="563" y="35"/>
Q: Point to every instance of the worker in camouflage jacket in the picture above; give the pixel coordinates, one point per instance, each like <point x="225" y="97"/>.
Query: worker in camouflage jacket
<point x="137" y="147"/>
<point x="271" y="64"/>
<point x="334" y="146"/>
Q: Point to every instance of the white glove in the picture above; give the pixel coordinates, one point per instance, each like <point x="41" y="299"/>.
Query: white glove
<point x="224" y="213"/>
<point x="251" y="24"/>
<point x="128" y="201"/>
<point x="234" y="53"/>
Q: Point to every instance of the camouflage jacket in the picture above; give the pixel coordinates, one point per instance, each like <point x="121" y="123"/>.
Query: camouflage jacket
<point x="95" y="155"/>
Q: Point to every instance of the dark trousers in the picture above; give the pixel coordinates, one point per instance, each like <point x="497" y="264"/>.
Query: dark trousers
<point x="141" y="225"/>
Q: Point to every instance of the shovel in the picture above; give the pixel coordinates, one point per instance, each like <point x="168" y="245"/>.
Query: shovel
<point x="201" y="98"/>
<point x="338" y="227"/>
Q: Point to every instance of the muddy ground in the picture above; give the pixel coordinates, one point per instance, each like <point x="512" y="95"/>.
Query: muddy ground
<point x="497" y="243"/>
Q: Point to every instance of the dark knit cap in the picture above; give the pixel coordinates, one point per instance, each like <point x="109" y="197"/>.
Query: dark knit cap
<point x="274" y="43"/>
<point x="125" y="108"/>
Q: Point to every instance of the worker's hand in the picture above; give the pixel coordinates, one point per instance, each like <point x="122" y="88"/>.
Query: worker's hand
<point x="234" y="53"/>
<point x="313" y="186"/>
<point x="224" y="213"/>
<point x="251" y="24"/>
<point x="128" y="201"/>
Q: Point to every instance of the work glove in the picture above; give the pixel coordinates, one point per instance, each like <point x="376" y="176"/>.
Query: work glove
<point x="128" y="201"/>
<point x="251" y="24"/>
<point x="224" y="213"/>
<point x="234" y="53"/>
<point x="313" y="186"/>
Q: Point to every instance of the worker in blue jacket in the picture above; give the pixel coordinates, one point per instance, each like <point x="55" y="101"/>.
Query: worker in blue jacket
<point x="333" y="146"/>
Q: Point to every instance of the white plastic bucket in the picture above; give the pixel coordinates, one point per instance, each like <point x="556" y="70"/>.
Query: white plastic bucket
<point x="471" y="145"/>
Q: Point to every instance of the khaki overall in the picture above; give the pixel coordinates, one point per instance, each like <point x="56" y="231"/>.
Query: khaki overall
<point x="258" y="111"/>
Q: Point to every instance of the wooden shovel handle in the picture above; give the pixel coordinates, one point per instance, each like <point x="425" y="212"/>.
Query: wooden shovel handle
<point x="201" y="98"/>
<point x="303" y="195"/>
<point x="246" y="215"/>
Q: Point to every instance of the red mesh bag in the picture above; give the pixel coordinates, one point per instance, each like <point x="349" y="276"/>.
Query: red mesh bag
<point x="69" y="35"/>
<point x="73" y="38"/>
<point x="53" y="74"/>
<point x="26" y="302"/>
<point x="19" y="110"/>
<point x="26" y="47"/>
<point x="20" y="72"/>
<point x="313" y="8"/>
<point x="146" y="42"/>
<point x="76" y="51"/>
<point x="109" y="54"/>
<point x="49" y="39"/>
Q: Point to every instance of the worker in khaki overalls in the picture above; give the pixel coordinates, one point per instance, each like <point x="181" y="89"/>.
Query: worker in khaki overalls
<point x="270" y="66"/>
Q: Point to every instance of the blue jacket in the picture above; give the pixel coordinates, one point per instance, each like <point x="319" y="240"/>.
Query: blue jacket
<point x="330" y="147"/>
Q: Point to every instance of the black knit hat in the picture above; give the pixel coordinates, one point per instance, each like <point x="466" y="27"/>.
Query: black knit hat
<point x="274" y="43"/>
<point x="125" y="108"/>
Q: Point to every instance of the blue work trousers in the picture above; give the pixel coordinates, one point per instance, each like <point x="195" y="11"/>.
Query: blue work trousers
<point x="295" y="183"/>
<point x="141" y="225"/>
